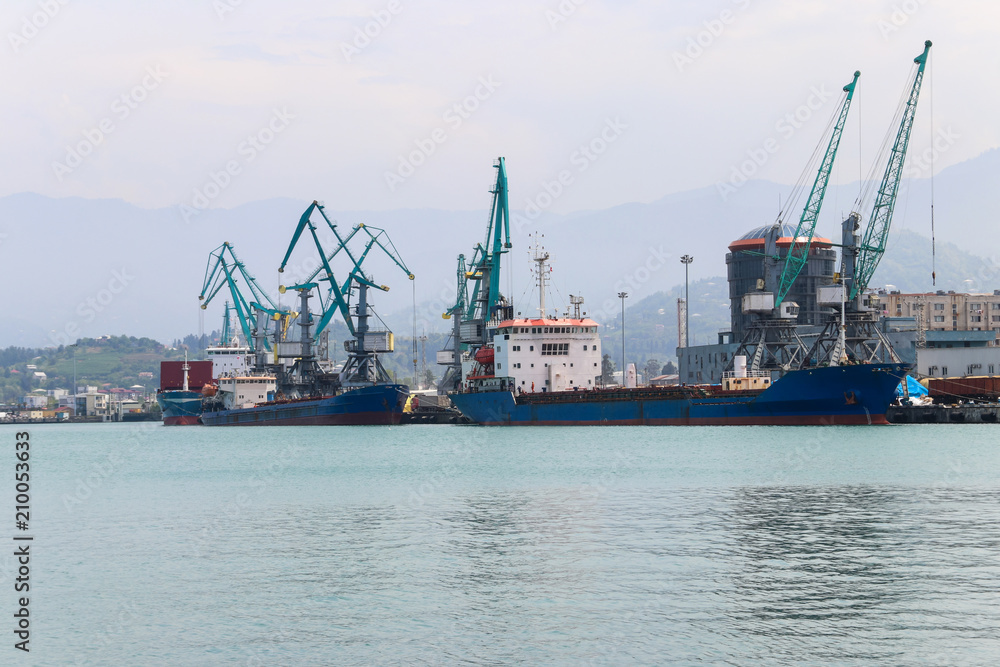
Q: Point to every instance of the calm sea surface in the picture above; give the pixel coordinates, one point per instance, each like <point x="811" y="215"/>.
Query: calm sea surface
<point x="469" y="545"/>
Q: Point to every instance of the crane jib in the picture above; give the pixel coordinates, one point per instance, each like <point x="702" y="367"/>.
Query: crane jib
<point x="798" y="251"/>
<point x="876" y="234"/>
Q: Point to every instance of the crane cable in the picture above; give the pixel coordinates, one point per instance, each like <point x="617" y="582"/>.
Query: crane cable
<point x="791" y="203"/>
<point x="870" y="182"/>
<point x="933" y="241"/>
<point x="416" y="381"/>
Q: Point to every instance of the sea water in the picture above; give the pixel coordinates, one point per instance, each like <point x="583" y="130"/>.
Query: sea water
<point x="433" y="545"/>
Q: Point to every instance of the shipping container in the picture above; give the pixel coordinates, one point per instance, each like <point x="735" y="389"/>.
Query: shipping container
<point x="172" y="374"/>
<point x="980" y="386"/>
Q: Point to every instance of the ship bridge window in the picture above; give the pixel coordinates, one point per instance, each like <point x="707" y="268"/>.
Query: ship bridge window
<point x="553" y="349"/>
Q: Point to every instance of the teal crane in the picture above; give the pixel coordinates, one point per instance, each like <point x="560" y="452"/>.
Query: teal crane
<point x="472" y="311"/>
<point x="484" y="268"/>
<point x="453" y="372"/>
<point x="225" y="269"/>
<point x="869" y="253"/>
<point x="461" y="290"/>
<point x="338" y="294"/>
<point x="227" y="333"/>
<point x="798" y="252"/>
<point x="858" y="336"/>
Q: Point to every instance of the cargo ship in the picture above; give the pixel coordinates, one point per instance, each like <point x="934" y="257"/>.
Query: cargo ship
<point x="851" y="394"/>
<point x="250" y="400"/>
<point x="180" y="392"/>
<point x="548" y="371"/>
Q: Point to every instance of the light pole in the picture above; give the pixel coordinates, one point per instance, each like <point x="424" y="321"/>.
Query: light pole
<point x="623" y="296"/>
<point x="74" y="346"/>
<point x="686" y="260"/>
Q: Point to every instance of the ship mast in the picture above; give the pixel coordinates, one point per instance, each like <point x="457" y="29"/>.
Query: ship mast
<point x="540" y="257"/>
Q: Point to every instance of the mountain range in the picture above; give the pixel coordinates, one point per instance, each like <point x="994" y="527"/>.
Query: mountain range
<point x="82" y="267"/>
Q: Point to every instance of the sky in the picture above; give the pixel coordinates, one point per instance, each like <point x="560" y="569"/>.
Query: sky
<point x="392" y="104"/>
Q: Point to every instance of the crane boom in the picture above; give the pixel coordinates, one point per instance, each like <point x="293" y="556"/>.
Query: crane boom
<point x="338" y="295"/>
<point x="224" y="270"/>
<point x="486" y="259"/>
<point x="798" y="252"/>
<point x="876" y="234"/>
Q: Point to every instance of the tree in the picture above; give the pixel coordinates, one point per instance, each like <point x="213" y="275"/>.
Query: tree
<point x="669" y="369"/>
<point x="607" y="370"/>
<point x="429" y="379"/>
<point x="652" y="369"/>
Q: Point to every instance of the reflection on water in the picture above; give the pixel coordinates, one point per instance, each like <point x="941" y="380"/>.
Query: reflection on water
<point x="819" y="565"/>
<point x="758" y="575"/>
<point x="672" y="560"/>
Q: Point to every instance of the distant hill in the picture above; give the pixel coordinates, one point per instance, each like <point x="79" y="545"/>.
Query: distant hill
<point x="83" y="267"/>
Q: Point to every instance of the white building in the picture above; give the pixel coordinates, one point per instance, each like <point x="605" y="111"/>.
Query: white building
<point x="35" y="401"/>
<point x="548" y="354"/>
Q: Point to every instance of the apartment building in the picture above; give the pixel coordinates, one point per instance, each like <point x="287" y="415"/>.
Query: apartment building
<point x="947" y="311"/>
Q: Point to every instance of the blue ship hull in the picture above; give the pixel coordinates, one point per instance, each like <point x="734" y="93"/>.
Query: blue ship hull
<point x="856" y="394"/>
<point x="378" y="404"/>
<point x="179" y="407"/>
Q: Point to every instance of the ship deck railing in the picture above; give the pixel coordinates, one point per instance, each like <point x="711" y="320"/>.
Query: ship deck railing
<point x="615" y="394"/>
<point x="727" y="375"/>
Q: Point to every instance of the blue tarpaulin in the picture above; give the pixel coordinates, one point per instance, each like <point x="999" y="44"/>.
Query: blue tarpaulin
<point x="914" y="387"/>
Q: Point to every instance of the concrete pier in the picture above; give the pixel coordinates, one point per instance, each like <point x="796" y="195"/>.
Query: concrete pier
<point x="973" y="413"/>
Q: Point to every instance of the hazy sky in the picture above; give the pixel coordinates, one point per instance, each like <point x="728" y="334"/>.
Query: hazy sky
<point x="388" y="104"/>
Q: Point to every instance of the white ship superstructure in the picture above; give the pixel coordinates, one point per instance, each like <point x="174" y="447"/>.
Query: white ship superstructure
<point x="246" y="391"/>
<point x="230" y="359"/>
<point x="545" y="355"/>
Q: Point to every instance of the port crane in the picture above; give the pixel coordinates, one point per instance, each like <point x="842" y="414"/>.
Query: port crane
<point x="227" y="324"/>
<point x="472" y="312"/>
<point x="451" y="356"/>
<point x="362" y="366"/>
<point x="857" y="336"/>
<point x="772" y="340"/>
<point x="224" y="270"/>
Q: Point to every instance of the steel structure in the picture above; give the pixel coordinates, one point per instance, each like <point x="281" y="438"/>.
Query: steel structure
<point x="857" y="336"/>
<point x="798" y="252"/>
<point x="362" y="366"/>
<point x="872" y="248"/>
<point x="472" y="312"/>
<point x="225" y="269"/>
<point x="484" y="268"/>
<point x="772" y="342"/>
